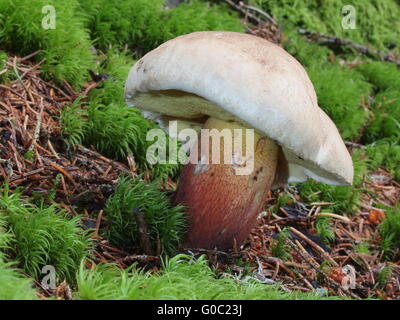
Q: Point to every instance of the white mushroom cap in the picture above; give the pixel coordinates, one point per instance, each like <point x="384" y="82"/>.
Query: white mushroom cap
<point x="234" y="76"/>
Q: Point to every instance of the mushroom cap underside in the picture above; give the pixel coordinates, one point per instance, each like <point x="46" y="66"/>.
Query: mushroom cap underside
<point x="239" y="77"/>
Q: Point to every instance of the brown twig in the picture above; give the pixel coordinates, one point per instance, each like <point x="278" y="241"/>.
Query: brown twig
<point x="315" y="246"/>
<point x="63" y="171"/>
<point x="98" y="222"/>
<point x="328" y="39"/>
<point x="247" y="10"/>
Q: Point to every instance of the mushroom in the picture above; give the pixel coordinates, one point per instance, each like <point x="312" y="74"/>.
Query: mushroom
<point x="228" y="80"/>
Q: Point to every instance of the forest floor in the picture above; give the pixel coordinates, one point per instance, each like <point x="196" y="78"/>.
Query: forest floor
<point x="81" y="177"/>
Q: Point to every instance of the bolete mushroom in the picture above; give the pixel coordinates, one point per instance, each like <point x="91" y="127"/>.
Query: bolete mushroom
<point x="231" y="80"/>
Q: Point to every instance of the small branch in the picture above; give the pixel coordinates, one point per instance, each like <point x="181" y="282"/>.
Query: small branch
<point x="142" y="259"/>
<point x="261" y="12"/>
<point x="38" y="125"/>
<point x="29" y="56"/>
<point x="328" y="39"/>
<point x="98" y="222"/>
<point x="95" y="154"/>
<point x="244" y="9"/>
<point x="18" y="75"/>
<point x="237" y="7"/>
<point x="63" y="171"/>
<point x="144" y="236"/>
<point x="306" y="256"/>
<point x="313" y="245"/>
<point x="333" y="215"/>
<point x="53" y="150"/>
<point x="354" y="145"/>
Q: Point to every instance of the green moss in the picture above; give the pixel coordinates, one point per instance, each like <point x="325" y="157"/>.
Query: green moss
<point x="66" y="49"/>
<point x="340" y="94"/>
<point x="79" y="121"/>
<point x="3" y="60"/>
<point x="122" y="22"/>
<point x="143" y="24"/>
<point x="383" y="75"/>
<point x="363" y="248"/>
<point x="386" y="117"/>
<point x="384" y="276"/>
<point x="385" y="154"/>
<point x="166" y="224"/>
<point x="13" y="285"/>
<point x="279" y="247"/>
<point x="389" y="230"/>
<point x="117" y="131"/>
<point x="308" y="53"/>
<point x="108" y="124"/>
<point x="73" y="121"/>
<point x="377" y="22"/>
<point x="43" y="236"/>
<point x="196" y="15"/>
<point x="344" y="198"/>
<point x="181" y="278"/>
<point x="324" y="229"/>
<point x="115" y="66"/>
<point x="284" y="200"/>
<point x="140" y="24"/>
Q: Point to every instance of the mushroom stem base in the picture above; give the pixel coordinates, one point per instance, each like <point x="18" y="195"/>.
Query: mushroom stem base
<point x="222" y="205"/>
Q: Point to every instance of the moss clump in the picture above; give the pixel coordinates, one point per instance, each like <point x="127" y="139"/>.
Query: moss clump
<point x="279" y="247"/>
<point x="363" y="248"/>
<point x="382" y="75"/>
<point x="106" y="123"/>
<point x="340" y="94"/>
<point x="308" y="53"/>
<point x="384" y="276"/>
<point x="114" y="67"/>
<point x="140" y="24"/>
<point x="73" y="124"/>
<point x="386" y="154"/>
<point x="143" y="24"/>
<point x="66" y="49"/>
<point x="180" y="278"/>
<point x="43" y="236"/>
<point x="379" y="26"/>
<point x="324" y="230"/>
<point x="196" y="15"/>
<point x="13" y="285"/>
<point x="386" y="117"/>
<point x="340" y="91"/>
<point x="344" y="198"/>
<point x="116" y="132"/>
<point x="3" y="60"/>
<point x="122" y="22"/>
<point x="389" y="230"/>
<point x="166" y="224"/>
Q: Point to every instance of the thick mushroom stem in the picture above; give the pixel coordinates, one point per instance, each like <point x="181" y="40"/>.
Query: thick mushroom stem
<point x="223" y="205"/>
